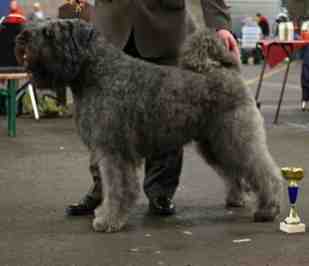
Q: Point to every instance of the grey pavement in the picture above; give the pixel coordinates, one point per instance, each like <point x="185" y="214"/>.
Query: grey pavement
<point x="45" y="168"/>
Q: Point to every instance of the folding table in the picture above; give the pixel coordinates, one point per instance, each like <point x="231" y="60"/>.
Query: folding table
<point x="9" y="93"/>
<point x="275" y="51"/>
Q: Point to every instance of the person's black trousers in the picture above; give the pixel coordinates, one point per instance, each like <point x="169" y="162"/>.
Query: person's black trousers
<point x="305" y="75"/>
<point x="162" y="172"/>
<point x="163" y="169"/>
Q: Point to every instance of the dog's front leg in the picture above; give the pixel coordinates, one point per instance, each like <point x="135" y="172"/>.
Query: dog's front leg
<point x="121" y="187"/>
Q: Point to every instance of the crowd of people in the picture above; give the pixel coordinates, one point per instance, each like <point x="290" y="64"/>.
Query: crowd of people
<point x="16" y="14"/>
<point x="70" y="9"/>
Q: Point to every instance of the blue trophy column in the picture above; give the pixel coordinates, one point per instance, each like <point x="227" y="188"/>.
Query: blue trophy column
<point x="293" y="193"/>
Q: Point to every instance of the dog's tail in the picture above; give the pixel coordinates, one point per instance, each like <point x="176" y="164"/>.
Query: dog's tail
<point x="203" y="51"/>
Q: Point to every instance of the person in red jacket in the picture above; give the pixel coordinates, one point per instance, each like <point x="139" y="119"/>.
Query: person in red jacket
<point x="263" y="24"/>
<point x="15" y="15"/>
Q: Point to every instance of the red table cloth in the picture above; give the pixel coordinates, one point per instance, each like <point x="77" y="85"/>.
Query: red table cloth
<point x="275" y="51"/>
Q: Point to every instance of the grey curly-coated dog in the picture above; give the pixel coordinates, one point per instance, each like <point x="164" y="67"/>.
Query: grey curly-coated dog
<point x="127" y="109"/>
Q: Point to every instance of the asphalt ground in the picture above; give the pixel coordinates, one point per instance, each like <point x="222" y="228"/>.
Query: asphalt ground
<point x="45" y="168"/>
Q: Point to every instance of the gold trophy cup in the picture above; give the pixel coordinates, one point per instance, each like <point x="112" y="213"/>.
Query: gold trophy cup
<point x="292" y="224"/>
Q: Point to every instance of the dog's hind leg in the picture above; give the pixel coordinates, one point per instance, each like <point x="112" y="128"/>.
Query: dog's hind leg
<point x="121" y="187"/>
<point x="233" y="183"/>
<point x="237" y="143"/>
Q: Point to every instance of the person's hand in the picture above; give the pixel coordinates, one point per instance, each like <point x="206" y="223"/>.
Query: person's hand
<point x="230" y="42"/>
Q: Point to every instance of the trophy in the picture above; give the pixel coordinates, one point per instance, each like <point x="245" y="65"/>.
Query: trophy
<point x="292" y="224"/>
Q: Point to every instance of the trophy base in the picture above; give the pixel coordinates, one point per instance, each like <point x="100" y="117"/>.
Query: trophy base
<point x="292" y="228"/>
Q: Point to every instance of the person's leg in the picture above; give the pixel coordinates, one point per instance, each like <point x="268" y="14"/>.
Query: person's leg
<point x="163" y="169"/>
<point x="305" y="79"/>
<point x="93" y="197"/>
<point x="162" y="172"/>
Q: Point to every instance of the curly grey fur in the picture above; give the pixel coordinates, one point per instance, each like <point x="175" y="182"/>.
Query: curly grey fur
<point x="204" y="51"/>
<point x="127" y="109"/>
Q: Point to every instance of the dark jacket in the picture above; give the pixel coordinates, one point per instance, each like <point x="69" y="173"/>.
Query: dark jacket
<point x="159" y="26"/>
<point x="67" y="11"/>
<point x="264" y="25"/>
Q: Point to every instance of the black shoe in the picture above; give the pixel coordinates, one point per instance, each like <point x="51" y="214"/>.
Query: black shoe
<point x="162" y="206"/>
<point x="85" y="207"/>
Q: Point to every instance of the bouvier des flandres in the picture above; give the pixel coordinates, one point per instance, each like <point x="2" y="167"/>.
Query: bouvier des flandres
<point x="127" y="109"/>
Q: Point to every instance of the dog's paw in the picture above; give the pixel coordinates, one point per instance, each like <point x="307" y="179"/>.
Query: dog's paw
<point x="106" y="225"/>
<point x="266" y="214"/>
<point x="106" y="221"/>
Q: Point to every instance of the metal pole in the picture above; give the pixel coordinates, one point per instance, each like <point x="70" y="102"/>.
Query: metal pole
<point x="257" y="95"/>
<point x="258" y="90"/>
<point x="289" y="53"/>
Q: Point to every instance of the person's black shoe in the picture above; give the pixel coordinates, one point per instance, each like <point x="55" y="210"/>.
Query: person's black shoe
<point x="162" y="206"/>
<point x="85" y="207"/>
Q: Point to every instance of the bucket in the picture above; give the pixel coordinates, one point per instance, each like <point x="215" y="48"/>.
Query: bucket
<point x="286" y="31"/>
<point x="305" y="30"/>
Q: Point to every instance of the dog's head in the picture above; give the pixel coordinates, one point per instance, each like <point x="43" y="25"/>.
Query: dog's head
<point x="55" y="51"/>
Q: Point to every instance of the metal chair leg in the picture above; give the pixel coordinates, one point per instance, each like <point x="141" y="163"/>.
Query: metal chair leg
<point x="258" y="90"/>
<point x="33" y="101"/>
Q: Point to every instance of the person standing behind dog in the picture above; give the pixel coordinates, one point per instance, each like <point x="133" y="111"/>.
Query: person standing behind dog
<point x="263" y="24"/>
<point x="37" y="14"/>
<point x="71" y="9"/>
<point x="153" y="31"/>
<point x="16" y="15"/>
